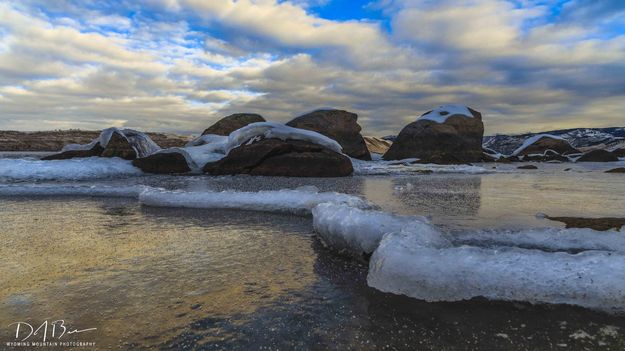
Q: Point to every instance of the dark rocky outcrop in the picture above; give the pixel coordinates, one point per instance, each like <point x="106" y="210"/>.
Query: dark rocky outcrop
<point x="96" y="150"/>
<point x="545" y="143"/>
<point x="338" y="125"/>
<point x="163" y="163"/>
<point x="290" y="158"/>
<point x="598" y="156"/>
<point x="119" y="146"/>
<point x="601" y="224"/>
<point x="616" y="170"/>
<point x="619" y="152"/>
<point x="527" y="167"/>
<point x="229" y="124"/>
<point x="457" y="140"/>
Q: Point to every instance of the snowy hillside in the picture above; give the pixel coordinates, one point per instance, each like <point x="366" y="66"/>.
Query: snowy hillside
<point x="581" y="138"/>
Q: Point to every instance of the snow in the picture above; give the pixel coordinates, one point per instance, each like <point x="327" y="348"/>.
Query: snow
<point x="407" y="166"/>
<point x="549" y="239"/>
<point x="279" y="131"/>
<point x="356" y="231"/>
<point x="298" y="201"/>
<point x="402" y="264"/>
<point x="71" y="169"/>
<point x="141" y="143"/>
<point x="531" y="140"/>
<point x="202" y="150"/>
<point x="440" y="114"/>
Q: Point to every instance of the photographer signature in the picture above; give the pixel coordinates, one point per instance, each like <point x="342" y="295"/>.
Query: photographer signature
<point x="56" y="328"/>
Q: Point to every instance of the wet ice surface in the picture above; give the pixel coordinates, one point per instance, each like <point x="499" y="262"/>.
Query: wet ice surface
<point x="176" y="278"/>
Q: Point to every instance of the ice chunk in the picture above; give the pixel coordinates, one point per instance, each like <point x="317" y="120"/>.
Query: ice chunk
<point x="532" y="140"/>
<point x="279" y="131"/>
<point x="208" y="139"/>
<point x="408" y="166"/>
<point x="75" y="169"/>
<point x="299" y="201"/>
<point x="403" y="265"/>
<point x="356" y="231"/>
<point x="551" y="239"/>
<point x="140" y="142"/>
<point x="70" y="190"/>
<point x="440" y="114"/>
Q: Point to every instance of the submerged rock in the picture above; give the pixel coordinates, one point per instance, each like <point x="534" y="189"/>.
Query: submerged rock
<point x="338" y="125"/>
<point x="527" y="167"/>
<point x="275" y="157"/>
<point x="601" y="224"/>
<point x="230" y="123"/>
<point x="451" y="134"/>
<point x="598" y="156"/>
<point x="616" y="170"/>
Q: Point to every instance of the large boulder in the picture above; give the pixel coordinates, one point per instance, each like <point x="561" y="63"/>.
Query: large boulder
<point x="619" y="152"/>
<point x="598" y="156"/>
<point x="448" y="135"/>
<point x="338" y="125"/>
<point x="112" y="142"/>
<point x="539" y="144"/>
<point x="229" y="124"/>
<point x="163" y="163"/>
<point x="275" y="157"/>
<point x="377" y="145"/>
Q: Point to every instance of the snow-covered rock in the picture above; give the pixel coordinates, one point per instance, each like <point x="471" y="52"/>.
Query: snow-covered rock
<point x="541" y="143"/>
<point x="451" y="134"/>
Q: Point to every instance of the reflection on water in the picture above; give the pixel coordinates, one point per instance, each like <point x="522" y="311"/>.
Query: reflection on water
<point x="206" y="279"/>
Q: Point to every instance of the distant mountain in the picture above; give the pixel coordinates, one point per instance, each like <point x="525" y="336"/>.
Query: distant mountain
<point x="583" y="139"/>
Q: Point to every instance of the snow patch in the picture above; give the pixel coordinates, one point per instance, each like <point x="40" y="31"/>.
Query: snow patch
<point x="402" y="264"/>
<point x="278" y="131"/>
<point x="202" y="150"/>
<point x="71" y="169"/>
<point x="440" y="114"/>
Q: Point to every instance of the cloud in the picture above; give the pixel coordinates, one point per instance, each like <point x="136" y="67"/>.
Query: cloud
<point x="179" y="65"/>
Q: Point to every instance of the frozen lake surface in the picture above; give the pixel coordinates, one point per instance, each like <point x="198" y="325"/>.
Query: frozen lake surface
<point x="190" y="278"/>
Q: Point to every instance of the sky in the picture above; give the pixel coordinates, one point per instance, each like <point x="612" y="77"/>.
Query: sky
<point x="180" y="65"/>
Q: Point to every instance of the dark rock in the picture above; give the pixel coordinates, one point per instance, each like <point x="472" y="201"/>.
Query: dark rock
<point x="163" y="163"/>
<point x="229" y="124"/>
<point x="592" y="223"/>
<point x="457" y="140"/>
<point x="119" y="146"/>
<point x="96" y="150"/>
<point x="598" y="156"/>
<point x="619" y="152"/>
<point x="290" y="158"/>
<point x="338" y="125"/>
<point x="546" y="143"/>
<point x="527" y="167"/>
<point x="616" y="170"/>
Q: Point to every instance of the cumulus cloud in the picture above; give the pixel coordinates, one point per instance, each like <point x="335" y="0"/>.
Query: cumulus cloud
<point x="179" y="65"/>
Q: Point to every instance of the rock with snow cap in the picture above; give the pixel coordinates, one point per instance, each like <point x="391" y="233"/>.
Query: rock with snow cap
<point x="338" y="125"/>
<point x="541" y="143"/>
<point x="450" y="134"/>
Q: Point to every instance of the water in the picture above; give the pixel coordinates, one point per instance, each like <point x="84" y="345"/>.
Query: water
<point x="166" y="278"/>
